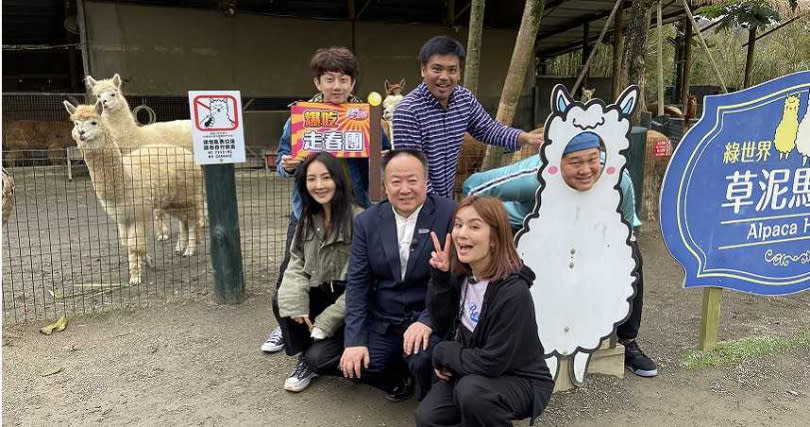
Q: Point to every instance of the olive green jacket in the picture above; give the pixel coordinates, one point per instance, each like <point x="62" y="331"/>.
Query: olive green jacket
<point x="316" y="262"/>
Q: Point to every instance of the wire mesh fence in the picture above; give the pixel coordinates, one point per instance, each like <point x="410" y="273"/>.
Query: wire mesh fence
<point x="64" y="252"/>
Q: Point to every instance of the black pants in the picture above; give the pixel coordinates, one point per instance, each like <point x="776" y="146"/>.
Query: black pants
<point x="388" y="366"/>
<point x="474" y="400"/>
<point x="283" y="267"/>
<point x="628" y="330"/>
<point x="323" y="356"/>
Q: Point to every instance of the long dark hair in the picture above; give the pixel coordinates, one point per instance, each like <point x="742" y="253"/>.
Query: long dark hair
<point x="340" y="206"/>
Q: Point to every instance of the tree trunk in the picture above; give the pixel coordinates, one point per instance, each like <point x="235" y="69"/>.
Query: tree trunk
<point x="618" y="49"/>
<point x="471" y="65"/>
<point x="635" y="51"/>
<point x="749" y="57"/>
<point x="660" y="65"/>
<point x="522" y="58"/>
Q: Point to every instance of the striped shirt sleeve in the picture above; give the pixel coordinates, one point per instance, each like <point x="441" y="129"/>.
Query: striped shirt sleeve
<point x="485" y="129"/>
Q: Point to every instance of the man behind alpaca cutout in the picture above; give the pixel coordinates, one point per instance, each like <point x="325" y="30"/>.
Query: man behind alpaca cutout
<point x="579" y="168"/>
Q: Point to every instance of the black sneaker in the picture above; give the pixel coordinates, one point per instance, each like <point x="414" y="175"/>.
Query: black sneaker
<point x="301" y="377"/>
<point x="401" y="392"/>
<point x="636" y="361"/>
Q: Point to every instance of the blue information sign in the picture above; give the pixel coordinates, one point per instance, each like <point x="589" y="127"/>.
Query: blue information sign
<point x="735" y="202"/>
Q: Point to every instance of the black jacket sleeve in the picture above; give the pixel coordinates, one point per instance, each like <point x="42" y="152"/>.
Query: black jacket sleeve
<point x="513" y="323"/>
<point x="442" y="300"/>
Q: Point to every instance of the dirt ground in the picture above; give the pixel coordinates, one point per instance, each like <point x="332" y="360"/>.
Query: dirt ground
<point x="192" y="362"/>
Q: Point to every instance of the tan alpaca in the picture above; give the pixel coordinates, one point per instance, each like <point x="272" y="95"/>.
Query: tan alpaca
<point x="128" y="135"/>
<point x="130" y="186"/>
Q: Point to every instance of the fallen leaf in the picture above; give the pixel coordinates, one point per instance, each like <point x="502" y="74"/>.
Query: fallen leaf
<point x="51" y="372"/>
<point x="57" y="326"/>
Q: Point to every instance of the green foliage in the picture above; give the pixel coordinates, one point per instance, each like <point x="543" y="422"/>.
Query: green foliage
<point x="783" y="52"/>
<point x="745" y="13"/>
<point x="735" y="352"/>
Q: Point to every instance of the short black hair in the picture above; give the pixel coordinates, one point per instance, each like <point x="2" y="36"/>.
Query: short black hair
<point x="441" y="45"/>
<point x="415" y="153"/>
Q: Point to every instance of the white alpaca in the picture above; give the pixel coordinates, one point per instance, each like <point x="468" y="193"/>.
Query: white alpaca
<point x="130" y="186"/>
<point x="577" y="241"/>
<point x="803" y="135"/>
<point x="128" y="135"/>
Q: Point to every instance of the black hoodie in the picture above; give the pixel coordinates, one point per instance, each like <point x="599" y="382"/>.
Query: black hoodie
<point x="505" y="340"/>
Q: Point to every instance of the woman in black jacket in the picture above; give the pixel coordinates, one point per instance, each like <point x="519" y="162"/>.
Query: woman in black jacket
<point x="491" y="369"/>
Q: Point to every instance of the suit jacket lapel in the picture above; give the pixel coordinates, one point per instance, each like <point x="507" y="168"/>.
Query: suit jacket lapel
<point x="390" y="242"/>
<point x="421" y="240"/>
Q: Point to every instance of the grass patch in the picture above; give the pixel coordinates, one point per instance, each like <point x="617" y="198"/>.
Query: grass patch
<point x="734" y="352"/>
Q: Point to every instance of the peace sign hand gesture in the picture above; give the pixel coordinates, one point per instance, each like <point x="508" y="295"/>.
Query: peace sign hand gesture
<point x="440" y="257"/>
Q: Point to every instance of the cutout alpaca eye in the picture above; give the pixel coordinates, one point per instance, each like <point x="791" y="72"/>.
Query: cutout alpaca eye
<point x="93" y="123"/>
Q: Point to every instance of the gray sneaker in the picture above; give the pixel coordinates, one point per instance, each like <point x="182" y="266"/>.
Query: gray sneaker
<point x="274" y="342"/>
<point x="301" y="377"/>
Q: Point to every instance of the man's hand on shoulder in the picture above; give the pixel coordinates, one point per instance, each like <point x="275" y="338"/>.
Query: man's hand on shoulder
<point x="533" y="139"/>
<point x="416" y="338"/>
<point x="354" y="359"/>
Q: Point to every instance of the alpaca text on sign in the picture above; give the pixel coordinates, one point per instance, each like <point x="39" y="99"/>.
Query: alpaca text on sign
<point x="735" y="201"/>
<point x="218" y="132"/>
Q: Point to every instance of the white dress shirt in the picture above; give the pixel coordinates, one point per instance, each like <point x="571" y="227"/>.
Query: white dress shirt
<point x="405" y="230"/>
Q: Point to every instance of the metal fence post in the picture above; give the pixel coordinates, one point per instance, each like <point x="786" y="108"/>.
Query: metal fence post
<point x="226" y="243"/>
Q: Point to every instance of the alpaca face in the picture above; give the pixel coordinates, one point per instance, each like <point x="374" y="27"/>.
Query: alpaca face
<point x="111" y="99"/>
<point x="86" y="132"/>
<point x="792" y="106"/>
<point x="219" y="107"/>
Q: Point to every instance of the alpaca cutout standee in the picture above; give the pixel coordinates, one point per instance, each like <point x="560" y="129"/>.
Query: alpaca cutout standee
<point x="578" y="241"/>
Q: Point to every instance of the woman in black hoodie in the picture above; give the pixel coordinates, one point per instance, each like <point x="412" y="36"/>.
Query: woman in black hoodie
<point x="490" y="368"/>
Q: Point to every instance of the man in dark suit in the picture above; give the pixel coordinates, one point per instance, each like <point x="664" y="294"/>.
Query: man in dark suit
<point x="387" y="282"/>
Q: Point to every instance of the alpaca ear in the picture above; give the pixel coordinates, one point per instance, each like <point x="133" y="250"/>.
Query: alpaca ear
<point x="387" y="85"/>
<point x="628" y="99"/>
<point x="560" y="99"/>
<point x="117" y="80"/>
<point x="69" y="107"/>
<point x="99" y="107"/>
<point x="90" y="82"/>
<point x="402" y="84"/>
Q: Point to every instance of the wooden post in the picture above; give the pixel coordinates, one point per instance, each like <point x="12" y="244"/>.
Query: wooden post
<point x="85" y="46"/>
<point x="618" y="50"/>
<point x="374" y="155"/>
<point x="710" y="318"/>
<point x="660" y="66"/>
<point x="587" y="65"/>
<point x="703" y="44"/>
<point x="226" y="244"/>
<point x="749" y="56"/>
<point x="586" y="54"/>
<point x="471" y="65"/>
<point x="687" y="65"/>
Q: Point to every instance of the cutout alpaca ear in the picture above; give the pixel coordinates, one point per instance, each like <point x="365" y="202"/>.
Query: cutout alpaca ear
<point x="560" y="98"/>
<point x="90" y="82"/>
<point x="69" y="107"/>
<point x="99" y="107"/>
<point x="628" y="99"/>
<point x="402" y="84"/>
<point x="116" y="80"/>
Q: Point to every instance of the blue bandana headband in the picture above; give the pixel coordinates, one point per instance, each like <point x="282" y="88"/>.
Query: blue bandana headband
<point x="583" y="141"/>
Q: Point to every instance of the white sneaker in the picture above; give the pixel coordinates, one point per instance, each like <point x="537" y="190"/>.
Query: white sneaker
<point x="300" y="378"/>
<point x="274" y="342"/>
